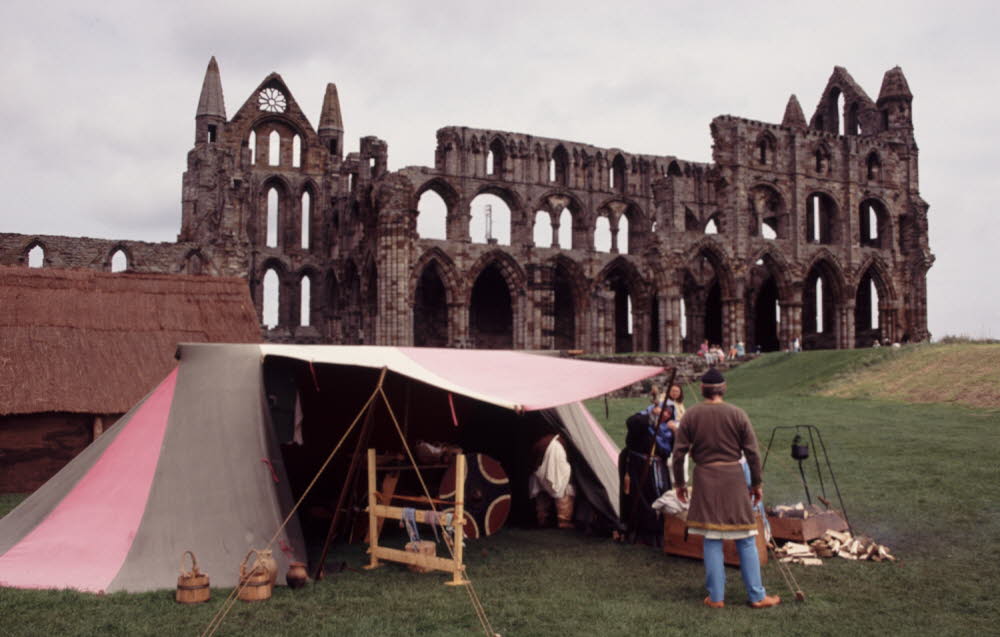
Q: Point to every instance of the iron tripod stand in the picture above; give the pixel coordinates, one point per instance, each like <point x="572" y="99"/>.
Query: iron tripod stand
<point x="800" y="452"/>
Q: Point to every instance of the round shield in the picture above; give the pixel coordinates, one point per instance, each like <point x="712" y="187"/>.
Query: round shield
<point x="487" y="494"/>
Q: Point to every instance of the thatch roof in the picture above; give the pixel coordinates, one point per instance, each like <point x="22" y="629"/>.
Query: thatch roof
<point x="86" y="341"/>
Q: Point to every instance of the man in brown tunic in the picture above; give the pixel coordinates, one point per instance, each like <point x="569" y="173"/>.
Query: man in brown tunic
<point x="717" y="435"/>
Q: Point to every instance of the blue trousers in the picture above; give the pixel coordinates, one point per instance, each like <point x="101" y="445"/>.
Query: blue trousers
<point x="715" y="569"/>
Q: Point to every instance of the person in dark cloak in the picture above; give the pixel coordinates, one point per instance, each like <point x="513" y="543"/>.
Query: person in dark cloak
<point x="642" y="469"/>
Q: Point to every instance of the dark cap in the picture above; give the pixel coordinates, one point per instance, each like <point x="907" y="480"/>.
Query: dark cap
<point x="713" y="377"/>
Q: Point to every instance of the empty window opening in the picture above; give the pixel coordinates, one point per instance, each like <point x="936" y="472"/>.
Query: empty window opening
<point x="623" y="236"/>
<point x="867" y="321"/>
<point x="490" y="222"/>
<point x="712" y="227"/>
<point x="618" y="284"/>
<point x="333" y="145"/>
<point x="371" y="166"/>
<point x="119" y="262"/>
<point x="872" y="219"/>
<point x="852" y="125"/>
<point x="272" y="218"/>
<point x="352" y="178"/>
<point x="842" y="114"/>
<point x="618" y="174"/>
<point x="542" y="232"/>
<point x="875" y="302"/>
<point x="684" y="320"/>
<point x="36" y="257"/>
<point x="430" y="310"/>
<point x="565" y="310"/>
<point x="821" y="219"/>
<point x="559" y="166"/>
<point x="212" y="132"/>
<point x="305" y="301"/>
<point x="432" y="216"/>
<point x="306" y="219"/>
<point x="765" y="317"/>
<point x="296" y="152"/>
<point x="602" y="235"/>
<point x="819" y="306"/>
<point x="566" y="229"/>
<point x="274" y="149"/>
<point x="495" y="158"/>
<point x="270" y="304"/>
<point x="767" y="229"/>
<point x="762" y="150"/>
<point x="874" y="168"/>
<point x="491" y="314"/>
<point x="252" y="144"/>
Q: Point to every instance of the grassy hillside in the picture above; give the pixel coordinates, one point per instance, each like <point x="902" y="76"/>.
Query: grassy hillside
<point x="923" y="479"/>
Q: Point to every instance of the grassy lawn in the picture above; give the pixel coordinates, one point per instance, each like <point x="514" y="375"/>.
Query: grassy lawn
<point x="922" y="479"/>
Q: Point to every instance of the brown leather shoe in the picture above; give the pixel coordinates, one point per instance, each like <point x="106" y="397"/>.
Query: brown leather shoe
<point x="711" y="604"/>
<point x="767" y="602"/>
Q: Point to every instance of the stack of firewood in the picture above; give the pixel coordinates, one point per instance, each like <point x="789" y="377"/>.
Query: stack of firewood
<point x="833" y="544"/>
<point x="795" y="553"/>
<point x="850" y="548"/>
<point x="798" y="510"/>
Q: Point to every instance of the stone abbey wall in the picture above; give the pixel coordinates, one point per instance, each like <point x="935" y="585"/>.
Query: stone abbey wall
<point x="794" y="230"/>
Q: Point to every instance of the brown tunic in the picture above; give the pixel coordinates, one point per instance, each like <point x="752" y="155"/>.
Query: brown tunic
<point x="716" y="435"/>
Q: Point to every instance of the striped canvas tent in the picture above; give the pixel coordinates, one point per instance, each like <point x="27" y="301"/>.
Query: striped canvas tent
<point x="202" y="463"/>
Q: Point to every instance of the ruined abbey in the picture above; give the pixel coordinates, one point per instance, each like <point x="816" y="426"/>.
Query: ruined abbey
<point x="807" y="229"/>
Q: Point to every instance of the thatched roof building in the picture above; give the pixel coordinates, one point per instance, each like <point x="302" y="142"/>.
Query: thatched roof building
<point x="79" y="347"/>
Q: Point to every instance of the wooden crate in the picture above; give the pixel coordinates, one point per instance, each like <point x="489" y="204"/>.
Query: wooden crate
<point x="806" y="529"/>
<point x="677" y="542"/>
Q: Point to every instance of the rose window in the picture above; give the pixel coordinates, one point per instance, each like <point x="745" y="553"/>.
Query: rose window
<point x="271" y="100"/>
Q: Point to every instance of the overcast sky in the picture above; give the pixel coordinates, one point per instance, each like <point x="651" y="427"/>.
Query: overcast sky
<point x="99" y="97"/>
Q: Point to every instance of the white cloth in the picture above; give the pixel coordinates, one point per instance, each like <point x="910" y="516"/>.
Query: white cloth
<point x="669" y="503"/>
<point x="552" y="476"/>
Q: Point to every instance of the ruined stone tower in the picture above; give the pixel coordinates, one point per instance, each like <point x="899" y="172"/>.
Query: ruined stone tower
<point x="812" y="230"/>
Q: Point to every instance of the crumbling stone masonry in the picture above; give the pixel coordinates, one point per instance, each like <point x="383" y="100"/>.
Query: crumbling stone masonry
<point x="813" y="230"/>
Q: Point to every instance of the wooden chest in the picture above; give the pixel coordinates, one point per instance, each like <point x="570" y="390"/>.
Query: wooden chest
<point x="806" y="529"/>
<point x="676" y="541"/>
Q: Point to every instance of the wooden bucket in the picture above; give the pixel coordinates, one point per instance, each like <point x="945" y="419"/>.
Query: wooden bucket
<point x="255" y="580"/>
<point x="192" y="586"/>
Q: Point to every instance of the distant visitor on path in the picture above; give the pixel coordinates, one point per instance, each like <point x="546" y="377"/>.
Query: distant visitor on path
<point x="717" y="435"/>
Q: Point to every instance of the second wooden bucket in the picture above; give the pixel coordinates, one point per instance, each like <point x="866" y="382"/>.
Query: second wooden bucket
<point x="192" y="586"/>
<point x="255" y="580"/>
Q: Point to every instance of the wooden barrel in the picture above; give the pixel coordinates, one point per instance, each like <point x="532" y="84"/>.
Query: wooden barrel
<point x="255" y="581"/>
<point x="192" y="586"/>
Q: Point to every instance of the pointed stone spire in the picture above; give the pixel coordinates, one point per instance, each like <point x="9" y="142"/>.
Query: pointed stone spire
<point x="794" y="118"/>
<point x="330" y="118"/>
<point x="894" y="86"/>
<point x="211" y="103"/>
<point x="331" y="123"/>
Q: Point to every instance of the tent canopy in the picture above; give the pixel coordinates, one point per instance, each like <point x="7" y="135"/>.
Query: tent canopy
<point x="198" y="464"/>
<point x="515" y="380"/>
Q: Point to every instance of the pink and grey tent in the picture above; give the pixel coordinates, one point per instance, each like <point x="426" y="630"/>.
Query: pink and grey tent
<point x="213" y="459"/>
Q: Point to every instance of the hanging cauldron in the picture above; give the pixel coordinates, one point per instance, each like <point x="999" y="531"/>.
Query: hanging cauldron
<point x="800" y="450"/>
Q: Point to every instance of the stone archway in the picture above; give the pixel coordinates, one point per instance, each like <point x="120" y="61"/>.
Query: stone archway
<point x="491" y="311"/>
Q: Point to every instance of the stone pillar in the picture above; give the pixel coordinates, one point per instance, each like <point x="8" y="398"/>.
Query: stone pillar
<point x="672" y="327"/>
<point x="458" y="325"/>
<point x="457" y="224"/>
<point x="734" y="321"/>
<point x="845" y="326"/>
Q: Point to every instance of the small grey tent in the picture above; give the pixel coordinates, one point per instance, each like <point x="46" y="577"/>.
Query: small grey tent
<point x="205" y="461"/>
